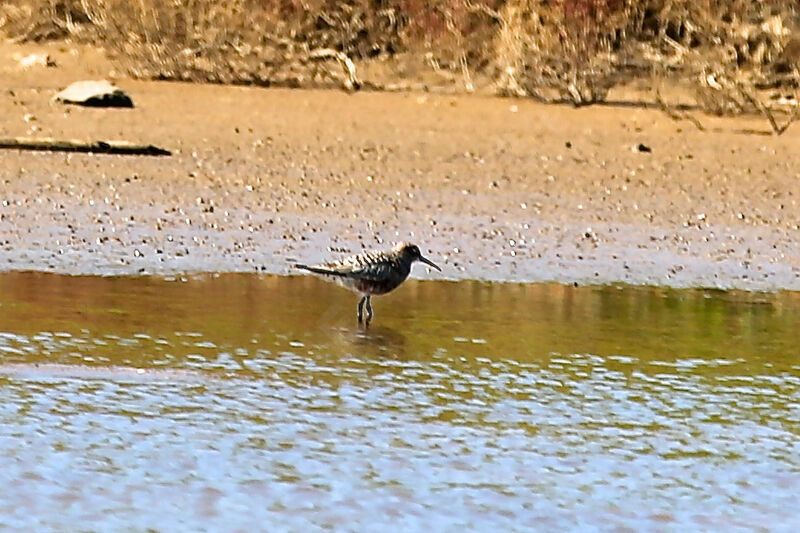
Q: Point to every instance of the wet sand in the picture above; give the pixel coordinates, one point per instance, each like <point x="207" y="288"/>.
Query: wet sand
<point x="490" y="188"/>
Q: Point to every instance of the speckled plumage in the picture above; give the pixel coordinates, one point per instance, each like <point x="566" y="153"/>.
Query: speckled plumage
<point x="371" y="273"/>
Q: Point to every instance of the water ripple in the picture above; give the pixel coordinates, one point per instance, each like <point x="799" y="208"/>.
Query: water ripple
<point x="204" y="424"/>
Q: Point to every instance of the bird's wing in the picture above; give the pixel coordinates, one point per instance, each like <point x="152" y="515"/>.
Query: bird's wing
<point x="371" y="272"/>
<point x="321" y="269"/>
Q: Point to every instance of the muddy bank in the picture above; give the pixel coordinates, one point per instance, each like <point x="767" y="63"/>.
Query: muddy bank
<point x="491" y="188"/>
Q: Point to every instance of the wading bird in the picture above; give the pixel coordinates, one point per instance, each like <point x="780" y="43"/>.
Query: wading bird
<point x="372" y="273"/>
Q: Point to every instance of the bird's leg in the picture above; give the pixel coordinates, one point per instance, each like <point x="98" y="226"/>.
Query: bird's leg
<point x="369" y="309"/>
<point x="361" y="308"/>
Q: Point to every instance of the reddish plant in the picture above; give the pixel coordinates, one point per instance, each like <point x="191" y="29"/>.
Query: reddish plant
<point x="589" y="10"/>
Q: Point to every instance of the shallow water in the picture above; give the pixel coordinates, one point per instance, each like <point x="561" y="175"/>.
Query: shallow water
<point x="247" y="402"/>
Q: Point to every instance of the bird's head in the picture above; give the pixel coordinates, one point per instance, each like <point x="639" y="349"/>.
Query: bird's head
<point x="410" y="252"/>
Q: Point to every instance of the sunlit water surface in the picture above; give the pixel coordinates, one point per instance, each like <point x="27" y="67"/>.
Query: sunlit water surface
<point x="256" y="403"/>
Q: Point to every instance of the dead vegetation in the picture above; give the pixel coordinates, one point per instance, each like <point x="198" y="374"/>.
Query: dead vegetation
<point x="737" y="56"/>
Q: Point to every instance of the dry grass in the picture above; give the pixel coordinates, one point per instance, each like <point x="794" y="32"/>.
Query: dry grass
<point x="730" y="51"/>
<point x="568" y="50"/>
<point x="247" y="41"/>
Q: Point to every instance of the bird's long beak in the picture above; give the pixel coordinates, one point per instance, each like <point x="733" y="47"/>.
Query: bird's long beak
<point x="429" y="262"/>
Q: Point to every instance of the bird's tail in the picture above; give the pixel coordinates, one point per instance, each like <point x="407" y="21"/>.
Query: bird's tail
<point x="319" y="270"/>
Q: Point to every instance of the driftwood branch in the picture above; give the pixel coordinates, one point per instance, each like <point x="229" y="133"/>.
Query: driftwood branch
<point x="777" y="129"/>
<point x="352" y="83"/>
<point x="674" y="114"/>
<point x="77" y="145"/>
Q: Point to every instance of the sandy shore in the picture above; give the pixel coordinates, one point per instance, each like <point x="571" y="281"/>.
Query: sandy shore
<point x="490" y="188"/>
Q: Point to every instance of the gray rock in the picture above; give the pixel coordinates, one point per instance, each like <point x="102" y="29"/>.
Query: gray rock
<point x="94" y="94"/>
